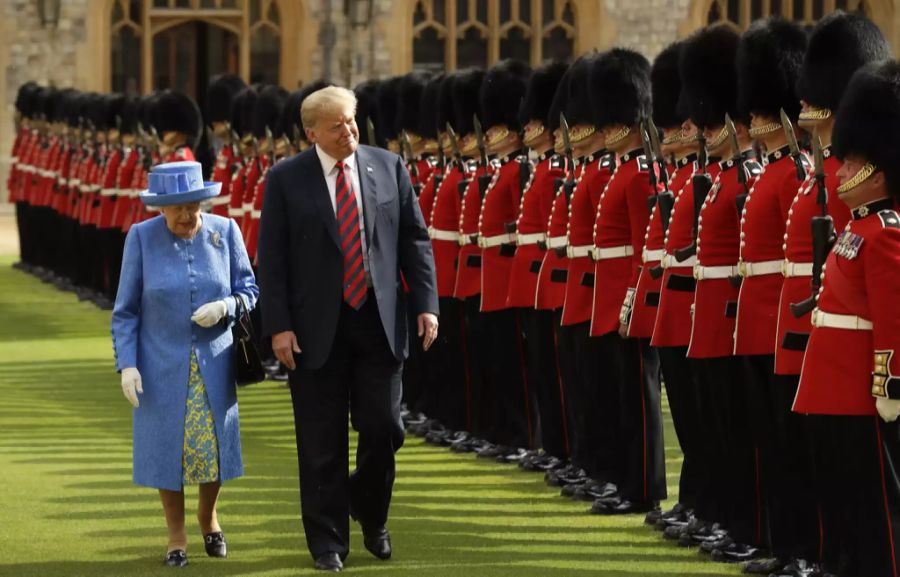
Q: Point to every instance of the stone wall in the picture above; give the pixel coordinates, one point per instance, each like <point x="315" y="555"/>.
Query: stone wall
<point x="647" y="26"/>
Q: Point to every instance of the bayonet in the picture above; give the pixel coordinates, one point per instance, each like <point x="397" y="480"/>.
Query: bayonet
<point x="793" y="145"/>
<point x="702" y="183"/>
<point x="484" y="179"/>
<point x="406" y="146"/>
<point x="370" y="132"/>
<point x="569" y="186"/>
<point x="454" y="145"/>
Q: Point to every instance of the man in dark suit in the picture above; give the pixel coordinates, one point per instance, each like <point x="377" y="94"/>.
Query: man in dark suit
<point x="340" y="223"/>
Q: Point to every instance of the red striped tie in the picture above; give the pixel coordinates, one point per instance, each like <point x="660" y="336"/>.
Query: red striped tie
<point x="351" y="241"/>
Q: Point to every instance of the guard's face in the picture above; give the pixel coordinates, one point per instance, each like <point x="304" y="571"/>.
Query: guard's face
<point x="335" y="132"/>
<point x="868" y="190"/>
<point x="182" y="219"/>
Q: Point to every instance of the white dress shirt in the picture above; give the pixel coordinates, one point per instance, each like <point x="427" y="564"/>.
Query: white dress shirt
<point x="329" y="169"/>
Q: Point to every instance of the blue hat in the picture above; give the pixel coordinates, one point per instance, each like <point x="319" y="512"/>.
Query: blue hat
<point x="178" y="183"/>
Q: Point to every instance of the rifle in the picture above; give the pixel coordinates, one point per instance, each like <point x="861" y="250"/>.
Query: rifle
<point x="484" y="179"/>
<point x="822" y="232"/>
<point x="792" y="143"/>
<point x="664" y="199"/>
<point x="370" y="132"/>
<point x="569" y="185"/>
<point x="463" y="184"/>
<point x="407" y="153"/>
<point x="738" y="160"/>
<point x="701" y="183"/>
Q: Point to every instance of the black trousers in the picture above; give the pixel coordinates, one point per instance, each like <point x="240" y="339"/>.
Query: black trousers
<point x="679" y="376"/>
<point x="855" y="460"/>
<point x="362" y="375"/>
<point x="22" y="222"/>
<point x="544" y="380"/>
<point x="732" y="496"/>
<point x="568" y="369"/>
<point x="446" y="390"/>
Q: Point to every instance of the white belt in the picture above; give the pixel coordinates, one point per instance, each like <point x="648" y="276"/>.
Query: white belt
<point x="46" y="173"/>
<point x="835" y="321"/>
<point x="94" y="187"/>
<point x="256" y="214"/>
<point x="556" y="242"/>
<point x="496" y="240"/>
<point x="671" y="262"/>
<point x="579" y="251"/>
<point x="26" y="168"/>
<point x="134" y="193"/>
<point x="791" y="269"/>
<point x="247" y="206"/>
<point x="74" y="182"/>
<point x="652" y="255"/>
<point x="109" y="192"/>
<point x="749" y="269"/>
<point x="451" y="235"/>
<point x="218" y="200"/>
<point x="61" y="181"/>
<point x="533" y="238"/>
<point x="235" y="212"/>
<point x="714" y="272"/>
<point x="612" y="252"/>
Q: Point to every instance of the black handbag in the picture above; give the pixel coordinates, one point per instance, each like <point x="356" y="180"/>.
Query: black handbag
<point x="248" y="367"/>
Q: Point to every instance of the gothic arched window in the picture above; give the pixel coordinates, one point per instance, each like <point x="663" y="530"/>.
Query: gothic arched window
<point x="126" y="46"/>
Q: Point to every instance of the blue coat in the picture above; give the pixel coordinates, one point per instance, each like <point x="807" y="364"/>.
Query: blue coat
<point x="164" y="280"/>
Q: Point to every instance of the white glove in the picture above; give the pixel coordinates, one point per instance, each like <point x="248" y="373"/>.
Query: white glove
<point x="131" y="385"/>
<point x="889" y="409"/>
<point x="210" y="313"/>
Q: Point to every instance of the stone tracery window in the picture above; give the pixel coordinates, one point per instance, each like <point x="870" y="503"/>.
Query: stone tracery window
<point x="451" y="34"/>
<point x="126" y="35"/>
<point x="265" y="41"/>
<point x="805" y="12"/>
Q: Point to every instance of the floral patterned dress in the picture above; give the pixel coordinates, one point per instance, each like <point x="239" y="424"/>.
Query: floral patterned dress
<point x="200" y="461"/>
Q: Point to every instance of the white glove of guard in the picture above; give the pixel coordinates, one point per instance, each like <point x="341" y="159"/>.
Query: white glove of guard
<point x="131" y="385"/>
<point x="889" y="409"/>
<point x="210" y="313"/>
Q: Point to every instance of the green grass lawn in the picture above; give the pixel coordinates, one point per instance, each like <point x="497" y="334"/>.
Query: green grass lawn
<point x="69" y="507"/>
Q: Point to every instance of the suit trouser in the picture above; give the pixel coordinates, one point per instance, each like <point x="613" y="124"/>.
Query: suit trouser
<point x="733" y="494"/>
<point x="510" y="408"/>
<point x="855" y="463"/>
<point x="679" y="376"/>
<point x="361" y="373"/>
<point x="543" y="378"/>
<point x="643" y="450"/>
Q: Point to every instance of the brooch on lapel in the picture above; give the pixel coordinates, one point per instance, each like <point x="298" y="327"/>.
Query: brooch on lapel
<point x="215" y="238"/>
<point x="848" y="245"/>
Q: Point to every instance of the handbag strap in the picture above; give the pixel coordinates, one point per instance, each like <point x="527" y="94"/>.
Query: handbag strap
<point x="243" y="315"/>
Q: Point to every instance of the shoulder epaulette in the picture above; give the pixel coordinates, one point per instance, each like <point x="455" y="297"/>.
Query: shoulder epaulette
<point x="889" y="218"/>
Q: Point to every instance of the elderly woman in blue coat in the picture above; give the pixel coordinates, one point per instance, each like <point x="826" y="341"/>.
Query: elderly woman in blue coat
<point x="182" y="275"/>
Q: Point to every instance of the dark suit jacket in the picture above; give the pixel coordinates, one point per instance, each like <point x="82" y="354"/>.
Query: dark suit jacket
<point x="300" y="262"/>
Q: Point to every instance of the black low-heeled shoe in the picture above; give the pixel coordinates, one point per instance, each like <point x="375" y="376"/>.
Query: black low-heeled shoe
<point x="215" y="544"/>
<point x="176" y="558"/>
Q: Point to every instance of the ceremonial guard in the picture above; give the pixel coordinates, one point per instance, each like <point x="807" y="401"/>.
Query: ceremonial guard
<point x="514" y="411"/>
<point x="219" y="96"/>
<point x="127" y="128"/>
<point x="670" y="228"/>
<point x="728" y="512"/>
<point x="14" y="183"/>
<point x="620" y="94"/>
<point x="543" y="177"/>
<point x="112" y="241"/>
<point x="245" y="175"/>
<point x="848" y="378"/>
<point x="769" y="61"/>
<point x="179" y="123"/>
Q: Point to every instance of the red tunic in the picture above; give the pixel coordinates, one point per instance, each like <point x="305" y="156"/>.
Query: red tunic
<point x="844" y="368"/>
<point x="499" y="213"/>
<point x="718" y="245"/>
<point x="109" y="194"/>
<point x="445" y="221"/>
<point x="222" y="173"/>
<point x="620" y="223"/>
<point x="12" y="181"/>
<point x="551" y="282"/>
<point x="26" y="166"/>
<point x="592" y="181"/>
<point x="255" y="168"/>
<point x="426" y="197"/>
<point x="793" y="332"/>
<point x="468" y="269"/>
<point x="534" y="213"/>
<point x="672" y="326"/>
<point x="237" y="187"/>
<point x="251" y="235"/>
<point x="59" y="202"/>
<point x="762" y="236"/>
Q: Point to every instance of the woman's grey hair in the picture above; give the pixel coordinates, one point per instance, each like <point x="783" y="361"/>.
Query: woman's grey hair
<point x="327" y="99"/>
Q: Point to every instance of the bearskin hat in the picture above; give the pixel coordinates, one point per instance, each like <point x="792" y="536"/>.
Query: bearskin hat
<point x="560" y="98"/>
<point x="427" y="127"/>
<point x="267" y="111"/>
<point x="241" y="115"/>
<point x="129" y="116"/>
<point x="502" y="92"/>
<point x="409" y="101"/>
<point x="367" y="108"/>
<point x="61" y="105"/>
<point x="386" y="122"/>
<point x="709" y="76"/>
<point x="147" y="112"/>
<point x="619" y="86"/>
<point x="839" y="45"/>
<point x="769" y="59"/>
<point x="578" y="100"/>
<point x="177" y="112"/>
<point x="74" y="104"/>
<point x="25" y="98"/>
<point x="97" y="112"/>
<point x="221" y="91"/>
<point x="114" y="104"/>
<point x="445" y="112"/>
<point x="466" y="100"/>
<point x="868" y="120"/>
<point x="540" y="92"/>
<point x="665" y="86"/>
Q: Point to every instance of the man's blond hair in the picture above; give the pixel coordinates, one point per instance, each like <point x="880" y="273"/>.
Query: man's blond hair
<point x="327" y="99"/>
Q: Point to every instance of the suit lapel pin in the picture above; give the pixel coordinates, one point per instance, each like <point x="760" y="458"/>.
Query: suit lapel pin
<point x="369" y="169"/>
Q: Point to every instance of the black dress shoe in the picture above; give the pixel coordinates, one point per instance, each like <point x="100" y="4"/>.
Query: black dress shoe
<point x="329" y="562"/>
<point x="215" y="544"/>
<point x="176" y="558"/>
<point x="709" y="546"/>
<point x="799" y="568"/>
<point x="736" y="553"/>
<point x="378" y="541"/>
<point x="764" y="566"/>
<point x="622" y="507"/>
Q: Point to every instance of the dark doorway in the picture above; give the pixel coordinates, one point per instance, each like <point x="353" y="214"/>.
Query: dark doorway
<point x="186" y="56"/>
